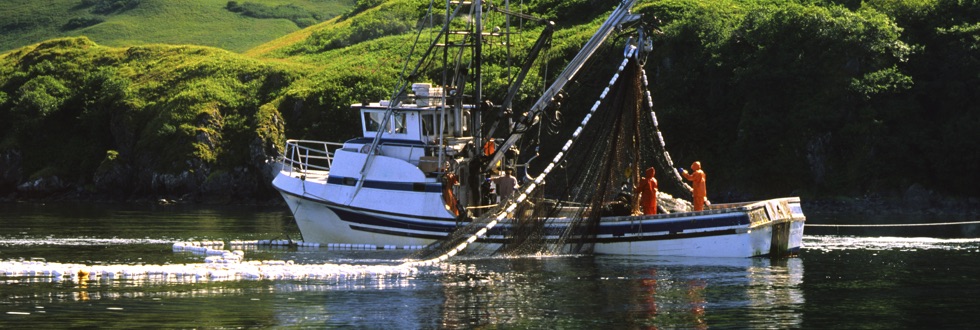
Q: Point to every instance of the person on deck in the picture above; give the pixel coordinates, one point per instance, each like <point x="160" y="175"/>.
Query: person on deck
<point x="449" y="180"/>
<point x="647" y="190"/>
<point x="489" y="148"/>
<point x="506" y="185"/>
<point x="698" y="188"/>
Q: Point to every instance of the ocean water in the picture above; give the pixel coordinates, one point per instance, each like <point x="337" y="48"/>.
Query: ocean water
<point x="844" y="278"/>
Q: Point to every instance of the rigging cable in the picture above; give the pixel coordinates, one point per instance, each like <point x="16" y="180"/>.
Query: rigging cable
<point x="445" y="249"/>
<point x="897" y="224"/>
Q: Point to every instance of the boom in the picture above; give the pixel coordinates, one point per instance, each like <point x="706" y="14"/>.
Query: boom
<point x="619" y="16"/>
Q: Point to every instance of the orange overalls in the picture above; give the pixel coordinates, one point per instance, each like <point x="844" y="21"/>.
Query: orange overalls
<point x="698" y="189"/>
<point x="489" y="148"/>
<point x="648" y="192"/>
<point x="450" y="180"/>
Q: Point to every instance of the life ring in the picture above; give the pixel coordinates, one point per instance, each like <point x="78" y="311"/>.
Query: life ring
<point x="367" y="148"/>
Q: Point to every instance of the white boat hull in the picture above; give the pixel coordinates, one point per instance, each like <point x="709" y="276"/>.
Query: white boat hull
<point x="320" y="223"/>
<point x="764" y="228"/>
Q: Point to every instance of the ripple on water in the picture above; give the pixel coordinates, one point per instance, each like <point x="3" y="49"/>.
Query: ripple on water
<point x="840" y="243"/>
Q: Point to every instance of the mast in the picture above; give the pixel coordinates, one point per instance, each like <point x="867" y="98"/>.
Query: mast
<point x="477" y="64"/>
<point x="477" y="114"/>
<point x="619" y="16"/>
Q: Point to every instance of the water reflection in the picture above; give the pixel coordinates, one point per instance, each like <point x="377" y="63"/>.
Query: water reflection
<point x="506" y="291"/>
<point x="707" y="292"/>
<point x="774" y="292"/>
<point x="632" y="292"/>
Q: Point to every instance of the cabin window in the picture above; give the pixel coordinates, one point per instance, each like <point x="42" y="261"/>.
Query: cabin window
<point x="372" y="121"/>
<point x="464" y="124"/>
<point x="398" y="123"/>
<point x="429" y="125"/>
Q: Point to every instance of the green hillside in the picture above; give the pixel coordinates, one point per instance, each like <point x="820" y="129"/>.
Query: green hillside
<point x="231" y="25"/>
<point x="775" y="97"/>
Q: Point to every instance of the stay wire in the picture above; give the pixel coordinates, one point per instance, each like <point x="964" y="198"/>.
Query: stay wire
<point x="896" y="224"/>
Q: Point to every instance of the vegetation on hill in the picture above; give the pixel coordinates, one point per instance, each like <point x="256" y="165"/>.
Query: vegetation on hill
<point x="851" y="98"/>
<point x="139" y="120"/>
<point x="775" y="97"/>
<point x="301" y="16"/>
<point x="231" y="25"/>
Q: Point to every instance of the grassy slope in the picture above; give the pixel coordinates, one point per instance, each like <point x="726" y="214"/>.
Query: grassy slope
<point x="144" y="119"/>
<point x="294" y="46"/>
<point x="367" y="70"/>
<point x="292" y="38"/>
<point x="312" y="79"/>
<point x="188" y="114"/>
<point x="387" y="46"/>
<point x="198" y="22"/>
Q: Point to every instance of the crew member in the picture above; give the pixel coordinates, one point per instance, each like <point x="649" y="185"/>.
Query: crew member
<point x="506" y="185"/>
<point x="489" y="148"/>
<point x="647" y="190"/>
<point x="698" y="189"/>
<point x="449" y="180"/>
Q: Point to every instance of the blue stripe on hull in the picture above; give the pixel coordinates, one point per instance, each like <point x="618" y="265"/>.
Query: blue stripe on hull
<point x="496" y="236"/>
<point x="623" y="231"/>
<point x="366" y="219"/>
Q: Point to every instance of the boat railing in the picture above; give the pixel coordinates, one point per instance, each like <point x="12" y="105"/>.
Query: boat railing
<point x="308" y="155"/>
<point x="410" y="151"/>
<point x="425" y="156"/>
<point x="783" y="211"/>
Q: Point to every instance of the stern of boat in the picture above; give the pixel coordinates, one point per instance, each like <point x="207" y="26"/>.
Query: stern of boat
<point x="776" y="227"/>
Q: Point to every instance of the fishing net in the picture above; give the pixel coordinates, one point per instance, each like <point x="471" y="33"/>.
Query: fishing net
<point x="595" y="179"/>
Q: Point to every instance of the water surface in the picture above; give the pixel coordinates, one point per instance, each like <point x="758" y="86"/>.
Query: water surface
<point x="840" y="280"/>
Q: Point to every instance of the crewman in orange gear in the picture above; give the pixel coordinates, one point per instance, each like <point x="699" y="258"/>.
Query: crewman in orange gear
<point x="449" y="180"/>
<point x="489" y="148"/>
<point x="698" y="189"/>
<point x="647" y="189"/>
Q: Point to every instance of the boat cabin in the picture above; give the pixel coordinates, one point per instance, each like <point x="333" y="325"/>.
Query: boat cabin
<point x="414" y="128"/>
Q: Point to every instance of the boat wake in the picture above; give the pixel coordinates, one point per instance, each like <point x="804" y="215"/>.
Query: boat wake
<point x="841" y="243"/>
<point x="218" y="265"/>
<point x="78" y="241"/>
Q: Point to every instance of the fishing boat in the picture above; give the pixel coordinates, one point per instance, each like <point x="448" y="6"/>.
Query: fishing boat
<point x="420" y="173"/>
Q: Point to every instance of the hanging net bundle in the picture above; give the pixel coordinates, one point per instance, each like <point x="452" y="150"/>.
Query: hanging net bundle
<point x="593" y="176"/>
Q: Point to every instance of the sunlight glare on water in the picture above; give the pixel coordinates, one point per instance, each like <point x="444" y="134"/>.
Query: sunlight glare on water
<point x="839" y="243"/>
<point x="79" y="241"/>
<point x="218" y="265"/>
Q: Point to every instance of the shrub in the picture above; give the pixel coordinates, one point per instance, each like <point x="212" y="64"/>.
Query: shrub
<point x="106" y="7"/>
<point x="81" y="22"/>
<point x="362" y="5"/>
<point x="42" y="95"/>
<point x="298" y="15"/>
